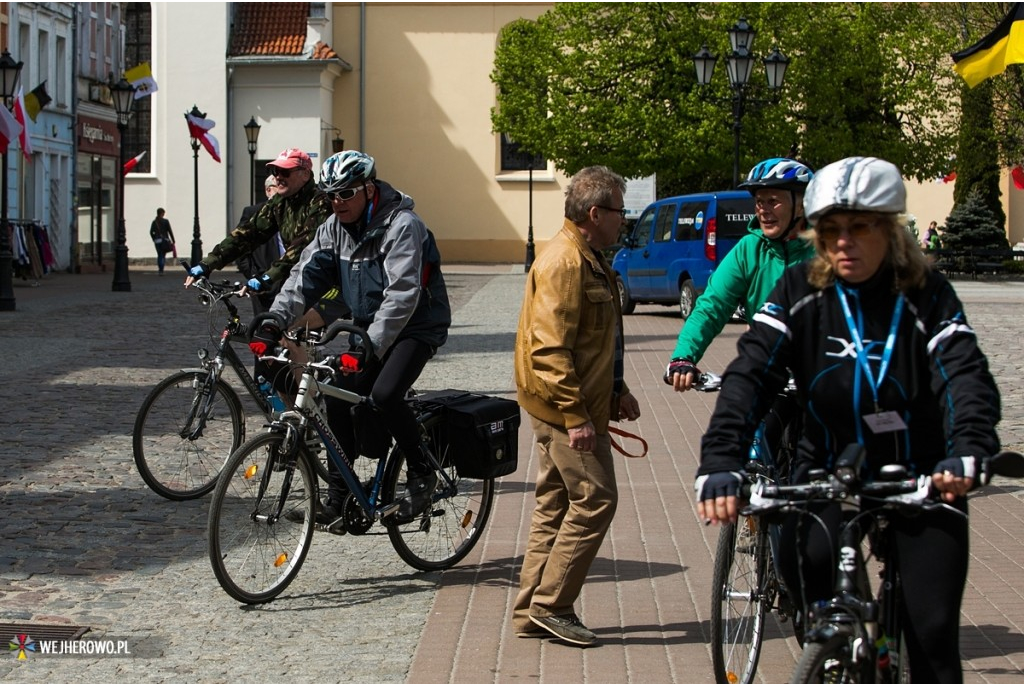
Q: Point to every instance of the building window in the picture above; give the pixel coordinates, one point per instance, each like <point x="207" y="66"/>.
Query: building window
<point x="515" y="159"/>
<point x="138" y="48"/>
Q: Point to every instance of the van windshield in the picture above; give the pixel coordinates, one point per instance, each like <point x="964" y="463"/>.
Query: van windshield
<point x="734" y="215"/>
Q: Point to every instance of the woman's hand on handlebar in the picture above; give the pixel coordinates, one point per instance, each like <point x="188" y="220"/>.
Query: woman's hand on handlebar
<point x="718" y="496"/>
<point x="682" y="374"/>
<point x="954" y="477"/>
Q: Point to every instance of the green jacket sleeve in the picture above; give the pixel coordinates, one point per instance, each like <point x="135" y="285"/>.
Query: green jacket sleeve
<point x="725" y="292"/>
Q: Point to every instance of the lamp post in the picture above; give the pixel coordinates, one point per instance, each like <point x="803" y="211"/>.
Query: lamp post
<point x="123" y="95"/>
<point x="740" y="64"/>
<point x="521" y="159"/>
<point x="197" y="241"/>
<point x="252" y="135"/>
<point x="9" y="73"/>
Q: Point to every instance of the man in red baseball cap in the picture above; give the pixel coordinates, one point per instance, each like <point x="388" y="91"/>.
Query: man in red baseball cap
<point x="295" y="212"/>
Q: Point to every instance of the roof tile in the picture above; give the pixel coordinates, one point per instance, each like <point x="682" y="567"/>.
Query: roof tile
<point x="272" y="29"/>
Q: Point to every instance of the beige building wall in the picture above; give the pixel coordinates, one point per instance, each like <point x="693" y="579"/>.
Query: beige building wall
<point x="932" y="201"/>
<point x="419" y="101"/>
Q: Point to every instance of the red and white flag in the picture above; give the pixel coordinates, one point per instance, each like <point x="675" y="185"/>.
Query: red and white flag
<point x="133" y="162"/>
<point x="9" y="128"/>
<point x="200" y="130"/>
<point x="19" y="114"/>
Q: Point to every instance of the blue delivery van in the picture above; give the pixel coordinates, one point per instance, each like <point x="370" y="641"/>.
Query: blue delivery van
<point x="675" y="246"/>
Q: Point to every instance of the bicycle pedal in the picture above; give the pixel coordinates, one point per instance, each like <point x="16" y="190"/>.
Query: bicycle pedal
<point x="336" y="528"/>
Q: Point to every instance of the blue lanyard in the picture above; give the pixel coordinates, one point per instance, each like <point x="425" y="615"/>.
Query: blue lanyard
<point x="855" y="329"/>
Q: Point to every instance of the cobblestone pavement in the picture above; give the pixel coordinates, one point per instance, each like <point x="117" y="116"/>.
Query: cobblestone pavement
<point x="87" y="543"/>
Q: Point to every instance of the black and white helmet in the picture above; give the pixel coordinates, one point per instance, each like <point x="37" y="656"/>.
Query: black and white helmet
<point x="857" y="184"/>
<point x="344" y="169"/>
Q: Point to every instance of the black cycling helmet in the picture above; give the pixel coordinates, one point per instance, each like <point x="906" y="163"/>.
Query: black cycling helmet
<point x="778" y="172"/>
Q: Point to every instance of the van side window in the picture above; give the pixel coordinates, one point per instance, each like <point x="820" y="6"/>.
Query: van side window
<point x="734" y="216"/>
<point x="642" y="232"/>
<point x="665" y="222"/>
<point x="690" y="224"/>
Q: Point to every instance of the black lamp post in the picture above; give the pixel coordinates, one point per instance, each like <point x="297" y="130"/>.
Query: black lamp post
<point x="9" y="73"/>
<point x="529" y="161"/>
<point x="740" y="64"/>
<point x="197" y="241"/>
<point x="123" y="95"/>
<point x="252" y="135"/>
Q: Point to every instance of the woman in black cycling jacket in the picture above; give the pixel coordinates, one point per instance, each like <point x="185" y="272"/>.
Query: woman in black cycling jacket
<point x="882" y="355"/>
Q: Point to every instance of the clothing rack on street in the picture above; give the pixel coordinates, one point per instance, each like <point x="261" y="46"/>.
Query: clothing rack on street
<point x="30" y="244"/>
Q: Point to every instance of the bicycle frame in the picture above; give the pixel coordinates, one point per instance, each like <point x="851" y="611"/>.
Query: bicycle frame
<point x="308" y="411"/>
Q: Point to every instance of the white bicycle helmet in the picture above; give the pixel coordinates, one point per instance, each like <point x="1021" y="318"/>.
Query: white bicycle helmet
<point x="346" y="168"/>
<point x="857" y="184"/>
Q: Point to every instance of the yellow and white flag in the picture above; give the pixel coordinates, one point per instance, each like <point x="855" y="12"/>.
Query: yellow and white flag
<point x="141" y="77"/>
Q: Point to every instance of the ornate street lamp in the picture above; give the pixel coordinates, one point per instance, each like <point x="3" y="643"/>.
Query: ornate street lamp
<point x="197" y="241"/>
<point x="123" y="94"/>
<point x="740" y="63"/>
<point x="10" y="71"/>
<point x="252" y="135"/>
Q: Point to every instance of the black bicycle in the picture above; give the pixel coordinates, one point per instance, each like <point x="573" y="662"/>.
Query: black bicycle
<point x="856" y="637"/>
<point x="191" y="422"/>
<point x="262" y="515"/>
<point x="746" y="583"/>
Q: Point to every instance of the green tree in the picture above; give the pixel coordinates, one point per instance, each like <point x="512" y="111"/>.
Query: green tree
<point x="972" y="225"/>
<point x="607" y="83"/>
<point x="977" y="161"/>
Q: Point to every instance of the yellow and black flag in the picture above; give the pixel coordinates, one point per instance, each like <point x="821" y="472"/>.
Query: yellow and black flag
<point x="36" y="100"/>
<point x="992" y="54"/>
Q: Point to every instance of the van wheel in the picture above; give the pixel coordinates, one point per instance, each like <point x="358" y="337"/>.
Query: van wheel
<point x="687" y="298"/>
<point x="627" y="304"/>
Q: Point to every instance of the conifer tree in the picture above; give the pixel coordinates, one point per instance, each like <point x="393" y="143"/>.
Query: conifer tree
<point x="972" y="225"/>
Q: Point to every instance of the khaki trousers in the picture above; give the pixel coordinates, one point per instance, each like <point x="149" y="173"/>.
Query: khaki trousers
<point x="576" y="498"/>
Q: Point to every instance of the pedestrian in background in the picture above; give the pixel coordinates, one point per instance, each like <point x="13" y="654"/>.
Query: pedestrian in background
<point x="568" y="366"/>
<point x="163" y="238"/>
<point x="255" y="263"/>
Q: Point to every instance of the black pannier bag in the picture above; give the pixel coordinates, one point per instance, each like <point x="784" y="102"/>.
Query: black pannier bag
<point x="480" y="433"/>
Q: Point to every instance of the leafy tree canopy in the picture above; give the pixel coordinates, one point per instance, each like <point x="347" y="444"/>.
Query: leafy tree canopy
<point x="614" y="83"/>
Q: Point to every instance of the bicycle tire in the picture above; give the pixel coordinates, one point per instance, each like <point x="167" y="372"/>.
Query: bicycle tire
<point x="738" y="599"/>
<point x="446" y="532"/>
<point x="176" y="467"/>
<point x="830" y="662"/>
<point x="256" y="555"/>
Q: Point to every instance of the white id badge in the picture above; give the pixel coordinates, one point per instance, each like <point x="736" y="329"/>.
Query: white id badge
<point x="884" y="422"/>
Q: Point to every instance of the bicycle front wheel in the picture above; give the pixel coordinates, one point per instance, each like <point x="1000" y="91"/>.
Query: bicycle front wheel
<point x="184" y="432"/>
<point x="261" y="519"/>
<point x="830" y="662"/>
<point x="738" y="597"/>
<point x="445" y="533"/>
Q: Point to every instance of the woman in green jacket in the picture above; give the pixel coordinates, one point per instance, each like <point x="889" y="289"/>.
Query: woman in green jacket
<point x="749" y="272"/>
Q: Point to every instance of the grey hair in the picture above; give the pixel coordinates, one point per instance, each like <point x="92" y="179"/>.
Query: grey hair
<point x="591" y="187"/>
<point x="270" y="181"/>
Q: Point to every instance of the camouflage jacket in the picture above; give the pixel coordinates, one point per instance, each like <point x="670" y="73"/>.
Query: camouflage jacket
<point x="295" y="217"/>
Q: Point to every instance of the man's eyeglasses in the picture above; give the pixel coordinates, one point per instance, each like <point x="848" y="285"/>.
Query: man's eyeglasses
<point x="856" y="230"/>
<point x="278" y="172"/>
<point x="345" y="194"/>
<point x="620" y="210"/>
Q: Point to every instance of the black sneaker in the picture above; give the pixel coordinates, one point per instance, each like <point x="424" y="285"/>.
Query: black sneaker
<point x="328" y="512"/>
<point x="568" y="627"/>
<point x="417" y="498"/>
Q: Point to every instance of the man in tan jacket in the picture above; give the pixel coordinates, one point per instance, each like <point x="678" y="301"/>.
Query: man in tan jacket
<point x="568" y="362"/>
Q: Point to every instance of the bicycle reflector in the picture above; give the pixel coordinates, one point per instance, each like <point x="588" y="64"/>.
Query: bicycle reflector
<point x="281" y="559"/>
<point x="250" y="472"/>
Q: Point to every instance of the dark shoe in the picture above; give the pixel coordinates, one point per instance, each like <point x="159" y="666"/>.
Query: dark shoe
<point x="568" y="627"/>
<point x="328" y="512"/>
<point x="417" y="498"/>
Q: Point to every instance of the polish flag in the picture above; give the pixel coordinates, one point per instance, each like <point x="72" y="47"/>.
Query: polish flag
<point x="9" y="128"/>
<point x="199" y="129"/>
<point x="19" y="114"/>
<point x="133" y="162"/>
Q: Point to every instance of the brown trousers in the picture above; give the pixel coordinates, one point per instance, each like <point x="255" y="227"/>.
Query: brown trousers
<point x="576" y="498"/>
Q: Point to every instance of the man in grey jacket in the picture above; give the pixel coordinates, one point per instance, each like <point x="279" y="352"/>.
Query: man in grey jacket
<point x="382" y="258"/>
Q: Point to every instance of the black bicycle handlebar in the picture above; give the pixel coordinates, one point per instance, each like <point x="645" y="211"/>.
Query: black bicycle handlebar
<point x="332" y="331"/>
